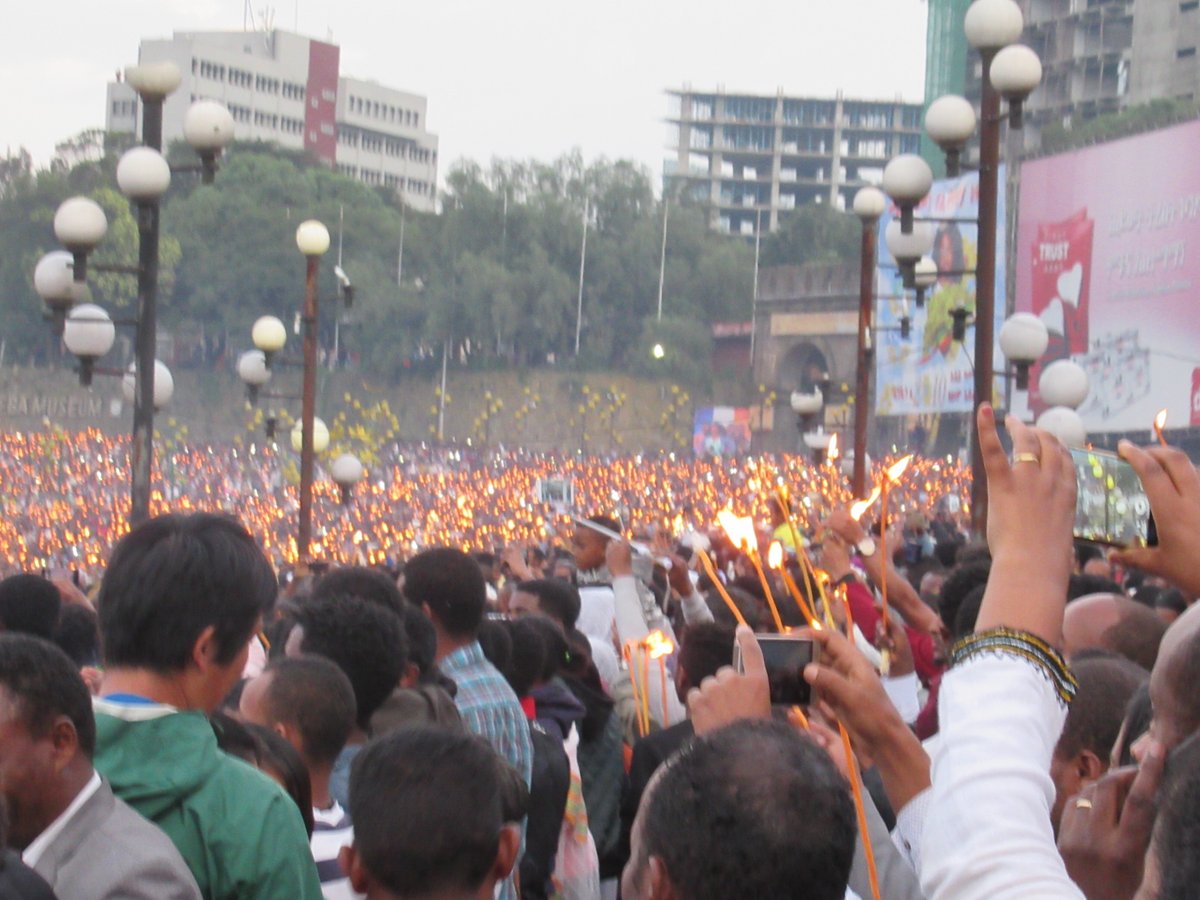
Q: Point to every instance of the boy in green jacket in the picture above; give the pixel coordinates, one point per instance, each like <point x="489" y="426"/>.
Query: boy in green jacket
<point x="180" y="602"/>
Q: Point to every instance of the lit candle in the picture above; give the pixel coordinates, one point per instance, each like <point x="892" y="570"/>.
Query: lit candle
<point x="712" y="574"/>
<point x="891" y="476"/>
<point x="860" y="809"/>
<point x="741" y="534"/>
<point x="1160" y="422"/>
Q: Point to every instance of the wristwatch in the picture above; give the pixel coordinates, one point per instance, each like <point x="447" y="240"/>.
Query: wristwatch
<point x="866" y="547"/>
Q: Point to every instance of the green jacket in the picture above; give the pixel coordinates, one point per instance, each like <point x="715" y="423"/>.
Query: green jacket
<point x="239" y="833"/>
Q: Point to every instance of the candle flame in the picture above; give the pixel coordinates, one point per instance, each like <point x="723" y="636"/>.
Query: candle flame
<point x="739" y="529"/>
<point x="775" y="555"/>
<point x="897" y="470"/>
<point x="1160" y="420"/>
<point x="857" y="509"/>
<point x="833" y="452"/>
<point x="658" y="645"/>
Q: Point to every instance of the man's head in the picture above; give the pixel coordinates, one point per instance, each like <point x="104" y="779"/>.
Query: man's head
<point x="1106" y="684"/>
<point x="370" y="584"/>
<point x="588" y="545"/>
<point x="1172" y="865"/>
<point x="430" y="817"/>
<point x="47" y="734"/>
<point x="706" y="649"/>
<point x="1115" y="623"/>
<point x="1174" y="700"/>
<point x="548" y="597"/>
<point x="29" y="604"/>
<point x="182" y="596"/>
<point x="306" y="699"/>
<point x="448" y="585"/>
<point x="752" y="810"/>
<point x="365" y="640"/>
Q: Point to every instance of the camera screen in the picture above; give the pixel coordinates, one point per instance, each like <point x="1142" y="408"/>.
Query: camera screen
<point x="1111" y="506"/>
<point x="785" y="659"/>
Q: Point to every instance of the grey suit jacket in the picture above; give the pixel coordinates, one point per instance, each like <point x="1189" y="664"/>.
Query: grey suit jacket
<point x="897" y="880"/>
<point x="108" y="851"/>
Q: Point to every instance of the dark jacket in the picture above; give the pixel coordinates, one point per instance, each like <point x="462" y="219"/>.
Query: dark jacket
<point x="557" y="708"/>
<point x="548" y="788"/>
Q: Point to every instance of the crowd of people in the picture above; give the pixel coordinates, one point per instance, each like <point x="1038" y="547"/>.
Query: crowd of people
<point x="600" y="709"/>
<point x="66" y="495"/>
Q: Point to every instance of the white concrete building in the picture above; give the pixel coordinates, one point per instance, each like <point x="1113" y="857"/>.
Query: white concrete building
<point x="287" y="89"/>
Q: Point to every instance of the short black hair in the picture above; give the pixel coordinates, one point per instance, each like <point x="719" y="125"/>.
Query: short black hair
<point x="312" y="694"/>
<point x="705" y="649"/>
<point x="370" y="584"/>
<point x="44" y="684"/>
<point x="1094" y="717"/>
<point x="558" y="599"/>
<point x="171" y="578"/>
<point x="1177" y="827"/>
<point x="968" y="612"/>
<point x="963" y="579"/>
<point x="528" y="654"/>
<point x="751" y="810"/>
<point x="365" y="640"/>
<point x="451" y="584"/>
<point x="1172" y="599"/>
<point x="279" y="759"/>
<point x="422" y="640"/>
<point x="557" y="654"/>
<point x="29" y="604"/>
<point x="428" y="805"/>
<point x="78" y="635"/>
<point x="495" y="643"/>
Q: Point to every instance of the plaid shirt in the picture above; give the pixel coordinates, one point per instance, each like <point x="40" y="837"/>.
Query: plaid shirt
<point x="490" y="709"/>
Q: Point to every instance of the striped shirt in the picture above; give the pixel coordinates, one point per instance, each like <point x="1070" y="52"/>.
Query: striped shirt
<point x="331" y="832"/>
<point x="490" y="709"/>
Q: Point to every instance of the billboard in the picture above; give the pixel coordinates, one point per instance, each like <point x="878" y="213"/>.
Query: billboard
<point x="928" y="372"/>
<point x="1108" y="256"/>
<point x="721" y="431"/>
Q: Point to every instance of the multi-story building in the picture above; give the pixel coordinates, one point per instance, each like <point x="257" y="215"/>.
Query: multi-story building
<point x="1098" y="56"/>
<point x="751" y="157"/>
<point x="287" y="89"/>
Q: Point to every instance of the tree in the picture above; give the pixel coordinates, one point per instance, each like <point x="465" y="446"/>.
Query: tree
<point x="813" y="233"/>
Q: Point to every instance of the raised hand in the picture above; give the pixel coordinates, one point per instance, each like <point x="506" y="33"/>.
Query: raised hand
<point x="729" y="696"/>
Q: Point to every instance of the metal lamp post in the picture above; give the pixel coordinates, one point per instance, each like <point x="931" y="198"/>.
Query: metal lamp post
<point x="1010" y="71"/>
<point x="869" y="204"/>
<point x="313" y="240"/>
<point x="143" y="176"/>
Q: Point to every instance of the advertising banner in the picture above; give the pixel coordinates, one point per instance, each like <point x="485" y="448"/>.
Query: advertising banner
<point x="721" y="431"/>
<point x="1108" y="256"/>
<point x="928" y="372"/>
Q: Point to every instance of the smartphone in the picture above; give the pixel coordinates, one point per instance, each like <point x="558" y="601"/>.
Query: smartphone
<point x="1111" y="506"/>
<point x="785" y="656"/>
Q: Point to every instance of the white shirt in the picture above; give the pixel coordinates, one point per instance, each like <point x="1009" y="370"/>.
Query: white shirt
<point x="35" y="850"/>
<point x="987" y="831"/>
<point x="332" y="831"/>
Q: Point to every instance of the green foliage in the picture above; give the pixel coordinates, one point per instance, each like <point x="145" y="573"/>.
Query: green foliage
<point x="813" y="234"/>
<point x="1134" y="120"/>
<point x="495" y="273"/>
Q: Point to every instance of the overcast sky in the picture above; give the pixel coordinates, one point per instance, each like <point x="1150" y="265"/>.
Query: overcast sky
<point x="523" y="78"/>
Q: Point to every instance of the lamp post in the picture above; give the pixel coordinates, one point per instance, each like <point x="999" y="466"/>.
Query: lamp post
<point x="347" y="471"/>
<point x="313" y="240"/>
<point x="143" y="176"/>
<point x="1010" y="71"/>
<point x="869" y="204"/>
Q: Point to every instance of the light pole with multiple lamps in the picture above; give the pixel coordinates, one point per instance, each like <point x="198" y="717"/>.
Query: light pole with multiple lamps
<point x="143" y="176"/>
<point x="1010" y="71"/>
<point x="869" y="205"/>
<point x="310" y="435"/>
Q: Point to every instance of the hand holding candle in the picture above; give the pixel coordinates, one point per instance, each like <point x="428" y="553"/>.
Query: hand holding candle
<point x="1160" y="422"/>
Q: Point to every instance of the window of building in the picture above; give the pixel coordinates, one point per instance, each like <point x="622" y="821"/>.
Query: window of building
<point x="1189" y="5"/>
<point x="1185" y="52"/>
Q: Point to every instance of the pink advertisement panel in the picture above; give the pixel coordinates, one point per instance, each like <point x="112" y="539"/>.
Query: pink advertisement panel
<point x="1108" y="256"/>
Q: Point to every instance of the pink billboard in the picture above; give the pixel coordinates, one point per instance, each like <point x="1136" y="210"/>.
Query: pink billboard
<point x="1108" y="256"/>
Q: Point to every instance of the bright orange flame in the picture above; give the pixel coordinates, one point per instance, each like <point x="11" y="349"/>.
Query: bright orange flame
<point x="678" y="524"/>
<point x="897" y="469"/>
<point x="658" y="645"/>
<point x="833" y="452"/>
<point x="739" y="529"/>
<point x="775" y="555"/>
<point x="1160" y="420"/>
<point x="857" y="509"/>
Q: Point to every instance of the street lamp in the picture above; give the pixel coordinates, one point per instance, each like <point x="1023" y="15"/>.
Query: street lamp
<point x="806" y="405"/>
<point x="869" y="205"/>
<point x="1023" y="339"/>
<point x="347" y="471"/>
<point x="89" y="333"/>
<point x="909" y="248"/>
<point x="252" y="369"/>
<point x="907" y="179"/>
<point x="320" y="435"/>
<point x="1064" y="387"/>
<point x="312" y="238"/>
<point x="143" y="176"/>
<point x="55" y="284"/>
<point x="164" y="384"/>
<point x="818" y="442"/>
<point x="1010" y="71"/>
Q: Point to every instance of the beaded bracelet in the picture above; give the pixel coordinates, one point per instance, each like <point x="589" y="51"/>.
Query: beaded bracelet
<point x="1022" y="644"/>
